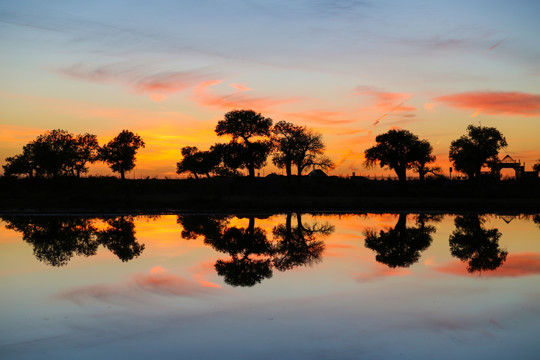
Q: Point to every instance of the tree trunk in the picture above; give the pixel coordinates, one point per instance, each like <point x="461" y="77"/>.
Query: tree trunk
<point x="402" y="174"/>
<point x="288" y="168"/>
<point x="300" y="168"/>
<point x="122" y="176"/>
<point x="251" y="171"/>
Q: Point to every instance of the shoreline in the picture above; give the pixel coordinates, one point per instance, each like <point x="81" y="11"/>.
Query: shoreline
<point x="90" y="196"/>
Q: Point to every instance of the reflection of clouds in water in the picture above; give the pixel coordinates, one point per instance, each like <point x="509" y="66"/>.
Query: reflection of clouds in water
<point x="379" y="271"/>
<point x="141" y="287"/>
<point x="516" y="265"/>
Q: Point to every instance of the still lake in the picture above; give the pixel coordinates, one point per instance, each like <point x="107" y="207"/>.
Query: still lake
<point x="287" y="286"/>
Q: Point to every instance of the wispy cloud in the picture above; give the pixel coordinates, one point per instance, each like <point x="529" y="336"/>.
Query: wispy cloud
<point x="386" y="103"/>
<point x="204" y="95"/>
<point x="494" y="102"/>
<point x="157" y="84"/>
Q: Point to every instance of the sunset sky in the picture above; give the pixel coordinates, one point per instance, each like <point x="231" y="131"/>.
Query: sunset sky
<point x="169" y="70"/>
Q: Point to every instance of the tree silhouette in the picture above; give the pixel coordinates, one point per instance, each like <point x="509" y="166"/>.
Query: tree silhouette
<point x="198" y="162"/>
<point x="119" y="153"/>
<point x="299" y="146"/>
<point x="86" y="151"/>
<point x="22" y="164"/>
<point x="424" y="157"/>
<point x="470" y="152"/>
<point x="477" y="246"/>
<point x="250" y="253"/>
<point x="400" y="150"/>
<point x="300" y="245"/>
<point x="536" y="167"/>
<point x="56" y="239"/>
<point x="536" y="219"/>
<point x="55" y="153"/>
<point x="120" y="238"/>
<point x="400" y="246"/>
<point x="211" y="227"/>
<point x="244" y="126"/>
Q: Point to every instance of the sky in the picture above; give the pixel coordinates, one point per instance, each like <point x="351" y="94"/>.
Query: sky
<point x="170" y="70"/>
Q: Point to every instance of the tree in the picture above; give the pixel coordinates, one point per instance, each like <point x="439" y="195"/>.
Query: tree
<point x="536" y="167"/>
<point x="198" y="162"/>
<point x="243" y="126"/>
<point x="400" y="150"/>
<point x="21" y="164"/>
<point x="424" y="157"/>
<point x="120" y="152"/>
<point x="296" y="145"/>
<point x="470" y="152"/>
<point x="53" y="153"/>
<point x="86" y="151"/>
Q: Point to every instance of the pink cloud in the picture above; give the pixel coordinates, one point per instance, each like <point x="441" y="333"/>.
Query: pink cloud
<point x="386" y="103"/>
<point x="204" y="95"/>
<point x="158" y="85"/>
<point x="495" y="103"/>
<point x="516" y="265"/>
<point x="323" y="117"/>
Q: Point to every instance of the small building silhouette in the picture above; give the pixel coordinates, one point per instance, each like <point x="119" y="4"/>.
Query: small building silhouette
<point x="506" y="163"/>
<point x="317" y="173"/>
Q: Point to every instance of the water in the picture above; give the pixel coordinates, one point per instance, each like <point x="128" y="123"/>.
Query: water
<point x="375" y="286"/>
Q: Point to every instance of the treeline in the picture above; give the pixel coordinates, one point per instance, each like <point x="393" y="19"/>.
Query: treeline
<point x="60" y="153"/>
<point x="254" y="138"/>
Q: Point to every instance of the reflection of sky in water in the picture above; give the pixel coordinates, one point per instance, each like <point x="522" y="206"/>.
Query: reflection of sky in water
<point x="171" y="303"/>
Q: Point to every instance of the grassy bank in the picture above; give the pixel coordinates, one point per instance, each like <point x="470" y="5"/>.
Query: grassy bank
<point x="278" y="194"/>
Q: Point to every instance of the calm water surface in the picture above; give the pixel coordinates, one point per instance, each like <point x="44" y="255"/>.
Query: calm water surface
<point x="375" y="286"/>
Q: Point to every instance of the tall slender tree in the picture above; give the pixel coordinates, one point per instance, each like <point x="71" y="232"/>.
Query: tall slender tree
<point x="296" y="145"/>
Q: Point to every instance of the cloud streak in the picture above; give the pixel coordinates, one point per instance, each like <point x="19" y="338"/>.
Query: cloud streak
<point x="387" y="102"/>
<point x="494" y="102"/>
<point x="204" y="94"/>
<point x="157" y="84"/>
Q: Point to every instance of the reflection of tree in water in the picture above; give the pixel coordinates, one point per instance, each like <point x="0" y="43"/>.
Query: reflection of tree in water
<point x="120" y="239"/>
<point x="536" y="219"/>
<point x="477" y="246"/>
<point x="252" y="255"/>
<point x="401" y="246"/>
<point x="298" y="245"/>
<point x="57" y="239"/>
<point x="209" y="226"/>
